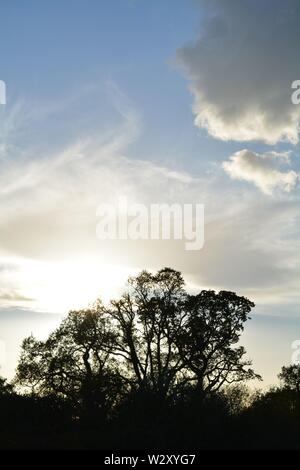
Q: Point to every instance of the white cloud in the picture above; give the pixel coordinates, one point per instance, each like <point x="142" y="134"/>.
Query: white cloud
<point x="260" y="169"/>
<point x="241" y="68"/>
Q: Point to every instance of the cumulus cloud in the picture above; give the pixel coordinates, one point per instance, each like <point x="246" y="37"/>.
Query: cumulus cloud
<point x="241" y="68"/>
<point x="261" y="170"/>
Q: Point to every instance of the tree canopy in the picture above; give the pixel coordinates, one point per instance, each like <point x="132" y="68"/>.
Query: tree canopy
<point x="155" y="338"/>
<point x="290" y="376"/>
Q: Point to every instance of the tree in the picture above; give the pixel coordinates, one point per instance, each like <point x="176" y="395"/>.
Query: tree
<point x="149" y="318"/>
<point x="155" y="339"/>
<point x="238" y="397"/>
<point x="75" y="362"/>
<point x="214" y="323"/>
<point x="5" y="388"/>
<point x="290" y="376"/>
<point x="169" y="338"/>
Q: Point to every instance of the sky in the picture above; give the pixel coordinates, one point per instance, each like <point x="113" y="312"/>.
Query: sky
<point x="160" y="102"/>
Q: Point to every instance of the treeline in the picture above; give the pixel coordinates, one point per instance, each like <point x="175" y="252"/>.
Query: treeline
<point x="158" y="368"/>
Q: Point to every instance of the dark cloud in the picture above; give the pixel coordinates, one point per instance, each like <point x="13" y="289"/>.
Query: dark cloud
<point x="241" y="68"/>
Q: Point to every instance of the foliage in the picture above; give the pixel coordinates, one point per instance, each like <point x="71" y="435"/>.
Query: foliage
<point x="290" y="376"/>
<point x="157" y="367"/>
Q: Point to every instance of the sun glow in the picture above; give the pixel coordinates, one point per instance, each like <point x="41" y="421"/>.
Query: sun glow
<point x="58" y="287"/>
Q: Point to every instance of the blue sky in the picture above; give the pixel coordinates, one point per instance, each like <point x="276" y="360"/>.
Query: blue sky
<point x="54" y="49"/>
<point x="163" y="101"/>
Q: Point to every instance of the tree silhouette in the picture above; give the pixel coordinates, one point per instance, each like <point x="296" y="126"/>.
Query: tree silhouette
<point x="290" y="376"/>
<point x="169" y="338"/>
<point x="5" y="388"/>
<point x="75" y="362"/>
<point x="149" y="318"/>
<point x="155" y="339"/>
<point x="213" y="325"/>
<point x="157" y="367"/>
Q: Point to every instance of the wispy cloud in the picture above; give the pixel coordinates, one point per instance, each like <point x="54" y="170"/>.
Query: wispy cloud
<point x="48" y="204"/>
